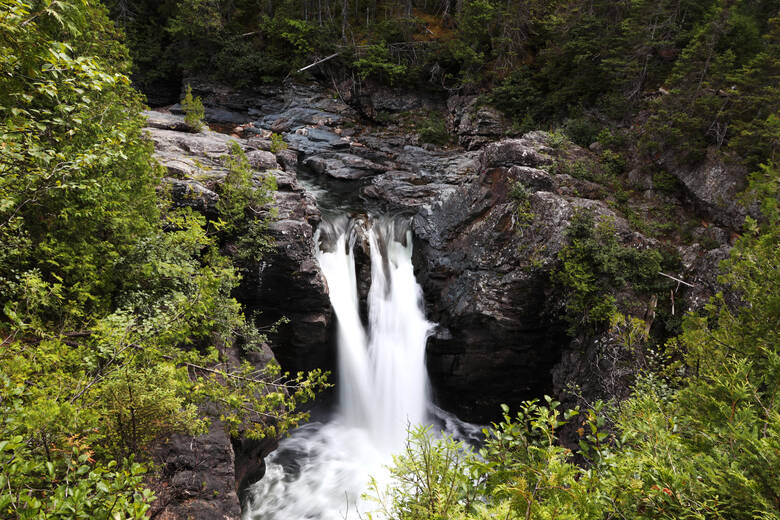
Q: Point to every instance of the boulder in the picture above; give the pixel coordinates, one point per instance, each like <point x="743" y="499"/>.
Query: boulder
<point x="530" y="150"/>
<point x="343" y="166"/>
<point x="262" y="160"/>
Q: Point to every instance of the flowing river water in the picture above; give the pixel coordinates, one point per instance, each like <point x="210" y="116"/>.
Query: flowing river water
<point x="322" y="469"/>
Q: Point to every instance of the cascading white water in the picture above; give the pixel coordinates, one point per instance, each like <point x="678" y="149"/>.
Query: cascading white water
<point x="321" y="470"/>
<point x="398" y="332"/>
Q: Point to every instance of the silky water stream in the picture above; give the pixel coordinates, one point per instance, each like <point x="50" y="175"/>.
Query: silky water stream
<point x="321" y="470"/>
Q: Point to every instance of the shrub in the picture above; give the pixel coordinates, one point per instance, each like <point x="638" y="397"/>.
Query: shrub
<point x="379" y="64"/>
<point x="610" y="139"/>
<point x="244" y="205"/>
<point x="193" y="111"/>
<point x="581" y="130"/>
<point x="612" y="163"/>
<point x="594" y="265"/>
<point x="556" y="139"/>
<point x="277" y="143"/>
<point x="665" y="182"/>
<point x="579" y="169"/>
<point x="434" y="130"/>
<point x="523" y="213"/>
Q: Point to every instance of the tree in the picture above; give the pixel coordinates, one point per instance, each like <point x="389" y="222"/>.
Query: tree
<point x="193" y="111"/>
<point x="116" y="307"/>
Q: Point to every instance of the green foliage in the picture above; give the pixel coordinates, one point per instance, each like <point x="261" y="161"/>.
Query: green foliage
<point x="277" y="143"/>
<point x="519" y="96"/>
<point x="116" y="308"/>
<point x="612" y="163"/>
<point x="524" y="214"/>
<point x="579" y="168"/>
<point x="193" y="111"/>
<point x="594" y="265"/>
<point x="581" y="130"/>
<point x="611" y="139"/>
<point x="434" y="130"/>
<point x="557" y="139"/>
<point x="68" y="487"/>
<point x="666" y="182"/>
<point x="77" y="183"/>
<point x="244" y="205"/>
<point x="431" y="479"/>
<point x="377" y="63"/>
<point x="764" y="191"/>
<point x="722" y="90"/>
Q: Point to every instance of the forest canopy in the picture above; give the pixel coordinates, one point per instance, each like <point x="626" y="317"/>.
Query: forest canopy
<point x="689" y="74"/>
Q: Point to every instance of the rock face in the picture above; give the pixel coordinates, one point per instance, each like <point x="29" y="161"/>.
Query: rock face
<point x="474" y="124"/>
<point x="485" y="274"/>
<point x="288" y="282"/>
<point x="200" y="476"/>
<point x="197" y="478"/>
<point x="714" y="185"/>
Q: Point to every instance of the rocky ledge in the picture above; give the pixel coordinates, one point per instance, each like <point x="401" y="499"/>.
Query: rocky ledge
<point x="201" y="477"/>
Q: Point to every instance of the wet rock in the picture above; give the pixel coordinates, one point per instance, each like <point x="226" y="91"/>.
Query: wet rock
<point x="405" y="190"/>
<point x="311" y="141"/>
<point x="343" y="166"/>
<point x="288" y="283"/>
<point x="288" y="159"/>
<point x="250" y="460"/>
<point x="420" y="177"/>
<point x="196" y="478"/>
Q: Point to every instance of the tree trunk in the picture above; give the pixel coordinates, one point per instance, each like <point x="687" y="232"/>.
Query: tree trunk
<point x="344" y="8"/>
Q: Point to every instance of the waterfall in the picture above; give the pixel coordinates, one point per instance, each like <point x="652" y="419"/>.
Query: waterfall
<point x="321" y="469"/>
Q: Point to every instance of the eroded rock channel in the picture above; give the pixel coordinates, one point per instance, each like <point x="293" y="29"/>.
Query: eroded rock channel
<point x="497" y="334"/>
